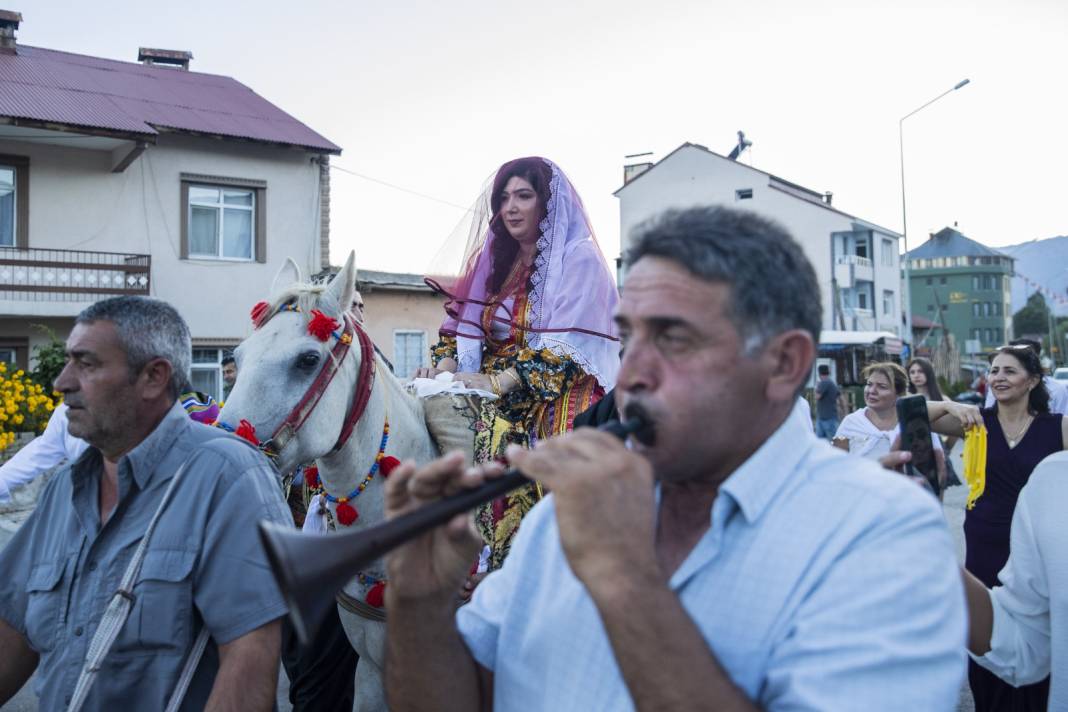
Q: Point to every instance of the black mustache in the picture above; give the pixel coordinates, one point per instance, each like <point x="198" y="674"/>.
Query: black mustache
<point x="646" y="432"/>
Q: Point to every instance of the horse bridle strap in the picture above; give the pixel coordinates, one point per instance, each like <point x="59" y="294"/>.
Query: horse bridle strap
<point x="364" y="381"/>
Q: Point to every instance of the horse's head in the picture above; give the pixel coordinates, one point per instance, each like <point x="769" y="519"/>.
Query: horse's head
<point x="280" y="362"/>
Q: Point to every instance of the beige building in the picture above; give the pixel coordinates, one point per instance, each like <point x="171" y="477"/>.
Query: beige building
<point x="402" y="316"/>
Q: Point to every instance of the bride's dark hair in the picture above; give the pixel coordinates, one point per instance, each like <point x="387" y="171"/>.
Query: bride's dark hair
<point x="535" y="171"/>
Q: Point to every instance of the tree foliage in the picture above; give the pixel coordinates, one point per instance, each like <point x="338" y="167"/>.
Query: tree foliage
<point x="1033" y="318"/>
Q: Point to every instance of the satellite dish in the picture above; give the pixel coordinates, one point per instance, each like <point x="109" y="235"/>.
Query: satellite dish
<point x="743" y="143"/>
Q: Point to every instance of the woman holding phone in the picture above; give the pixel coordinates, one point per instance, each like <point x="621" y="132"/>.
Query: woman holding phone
<point x="872" y="430"/>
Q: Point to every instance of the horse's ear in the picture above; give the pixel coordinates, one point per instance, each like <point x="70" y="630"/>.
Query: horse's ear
<point x="288" y="274"/>
<point x="343" y="285"/>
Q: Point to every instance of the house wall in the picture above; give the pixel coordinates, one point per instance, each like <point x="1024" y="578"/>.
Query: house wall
<point x="76" y="202"/>
<point x="692" y="176"/>
<point x="387" y="311"/>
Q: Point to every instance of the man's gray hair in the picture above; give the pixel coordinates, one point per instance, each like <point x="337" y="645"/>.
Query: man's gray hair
<point x="148" y="329"/>
<point x="773" y="287"/>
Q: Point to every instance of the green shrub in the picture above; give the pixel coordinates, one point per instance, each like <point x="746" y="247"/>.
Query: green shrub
<point x="50" y="360"/>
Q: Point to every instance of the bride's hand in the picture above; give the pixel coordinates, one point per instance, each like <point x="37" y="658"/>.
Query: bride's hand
<point x="475" y="380"/>
<point x="428" y="372"/>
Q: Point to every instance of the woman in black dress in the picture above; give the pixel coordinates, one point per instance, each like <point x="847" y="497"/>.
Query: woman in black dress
<point x="1021" y="432"/>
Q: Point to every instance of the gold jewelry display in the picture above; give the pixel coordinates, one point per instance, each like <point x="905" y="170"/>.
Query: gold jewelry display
<point x="496" y="384"/>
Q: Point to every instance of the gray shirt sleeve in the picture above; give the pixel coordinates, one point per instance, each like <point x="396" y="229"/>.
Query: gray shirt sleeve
<point x="15" y="563"/>
<point x="234" y="589"/>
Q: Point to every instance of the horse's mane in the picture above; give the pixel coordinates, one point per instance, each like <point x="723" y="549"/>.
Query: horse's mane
<point x="304" y="297"/>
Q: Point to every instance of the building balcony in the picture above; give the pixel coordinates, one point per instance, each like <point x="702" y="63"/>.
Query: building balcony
<point x="849" y="269"/>
<point x="60" y="282"/>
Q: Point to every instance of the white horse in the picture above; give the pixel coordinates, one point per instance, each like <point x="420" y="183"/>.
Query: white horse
<point x="277" y="365"/>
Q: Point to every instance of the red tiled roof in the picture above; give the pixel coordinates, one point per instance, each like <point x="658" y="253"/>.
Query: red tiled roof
<point x="92" y="92"/>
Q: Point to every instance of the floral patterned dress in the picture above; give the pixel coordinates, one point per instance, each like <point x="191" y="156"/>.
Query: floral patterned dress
<point x="553" y="390"/>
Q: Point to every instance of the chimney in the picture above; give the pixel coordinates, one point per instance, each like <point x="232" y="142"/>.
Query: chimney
<point x="9" y="24"/>
<point x="828" y="196"/>
<point x="176" y="58"/>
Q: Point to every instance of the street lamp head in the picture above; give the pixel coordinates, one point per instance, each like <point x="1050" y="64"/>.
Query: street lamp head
<point x="961" y="83"/>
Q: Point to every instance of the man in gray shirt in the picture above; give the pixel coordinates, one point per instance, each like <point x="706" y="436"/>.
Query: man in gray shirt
<point x="826" y="404"/>
<point x="204" y="566"/>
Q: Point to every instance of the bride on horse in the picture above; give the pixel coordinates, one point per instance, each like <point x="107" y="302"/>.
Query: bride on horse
<point x="529" y="318"/>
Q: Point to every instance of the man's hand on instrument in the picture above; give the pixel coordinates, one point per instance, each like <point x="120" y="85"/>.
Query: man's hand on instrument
<point x="605" y="505"/>
<point x="433" y="565"/>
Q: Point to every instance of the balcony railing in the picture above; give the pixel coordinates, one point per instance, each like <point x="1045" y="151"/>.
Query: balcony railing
<point x="37" y="274"/>
<point x="853" y="260"/>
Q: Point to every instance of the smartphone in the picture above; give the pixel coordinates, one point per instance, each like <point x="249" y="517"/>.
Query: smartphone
<point x="916" y="438"/>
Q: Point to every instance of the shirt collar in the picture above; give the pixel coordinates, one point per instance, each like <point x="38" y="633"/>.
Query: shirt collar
<point x="760" y="478"/>
<point x="146" y="456"/>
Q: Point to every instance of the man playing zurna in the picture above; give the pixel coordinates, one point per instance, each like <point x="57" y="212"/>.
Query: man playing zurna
<point x="736" y="563"/>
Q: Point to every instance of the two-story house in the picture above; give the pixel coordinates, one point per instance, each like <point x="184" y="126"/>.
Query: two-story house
<point x="856" y="261"/>
<point x="148" y="178"/>
<point x="965" y="287"/>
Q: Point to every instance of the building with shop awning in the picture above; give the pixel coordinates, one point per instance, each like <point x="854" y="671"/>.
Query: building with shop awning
<point x="847" y="352"/>
<point x="831" y="340"/>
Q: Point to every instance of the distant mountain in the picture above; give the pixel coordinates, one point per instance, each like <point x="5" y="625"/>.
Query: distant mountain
<point x="1041" y="263"/>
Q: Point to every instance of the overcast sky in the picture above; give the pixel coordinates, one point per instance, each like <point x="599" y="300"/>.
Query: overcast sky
<point x="432" y="96"/>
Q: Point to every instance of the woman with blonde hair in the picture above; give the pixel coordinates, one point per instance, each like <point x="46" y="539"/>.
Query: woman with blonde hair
<point x="872" y="430"/>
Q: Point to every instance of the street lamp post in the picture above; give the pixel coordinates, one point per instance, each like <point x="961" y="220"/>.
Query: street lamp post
<point x="904" y="219"/>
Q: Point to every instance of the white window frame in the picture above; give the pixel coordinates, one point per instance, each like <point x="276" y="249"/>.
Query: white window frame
<point x="221" y="207"/>
<point x="8" y="355"/>
<point x="15" y="205"/>
<point x="213" y="367"/>
<point x="888" y="252"/>
<point x="888" y="302"/>
<point x="399" y="363"/>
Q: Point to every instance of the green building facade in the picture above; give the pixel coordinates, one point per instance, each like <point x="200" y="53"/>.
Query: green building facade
<point x="964" y="287"/>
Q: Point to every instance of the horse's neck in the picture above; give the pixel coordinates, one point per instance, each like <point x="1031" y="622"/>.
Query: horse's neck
<point x="408" y="435"/>
<point x="407" y="419"/>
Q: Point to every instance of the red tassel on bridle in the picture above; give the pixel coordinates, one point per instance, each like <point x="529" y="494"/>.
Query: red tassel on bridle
<point x="377" y="595"/>
<point x="258" y="313"/>
<point x="346" y="514"/>
<point x="247" y="431"/>
<point x="322" y="326"/>
<point x="387" y="464"/>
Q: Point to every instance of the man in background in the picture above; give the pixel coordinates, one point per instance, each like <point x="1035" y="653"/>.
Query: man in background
<point x="826" y="404"/>
<point x="229" y="374"/>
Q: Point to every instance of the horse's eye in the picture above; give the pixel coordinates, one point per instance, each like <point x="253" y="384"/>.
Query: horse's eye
<point x="308" y="360"/>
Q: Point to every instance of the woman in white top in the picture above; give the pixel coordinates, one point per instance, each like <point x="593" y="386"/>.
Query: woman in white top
<point x="871" y="431"/>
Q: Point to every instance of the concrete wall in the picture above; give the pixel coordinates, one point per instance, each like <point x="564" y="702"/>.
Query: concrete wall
<point x="692" y="176"/>
<point x="389" y="310"/>
<point x="76" y="202"/>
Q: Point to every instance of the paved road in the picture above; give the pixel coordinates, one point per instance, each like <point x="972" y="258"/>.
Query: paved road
<point x="953" y="503"/>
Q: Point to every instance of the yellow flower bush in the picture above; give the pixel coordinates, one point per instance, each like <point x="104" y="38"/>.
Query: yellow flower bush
<point x="24" y="406"/>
